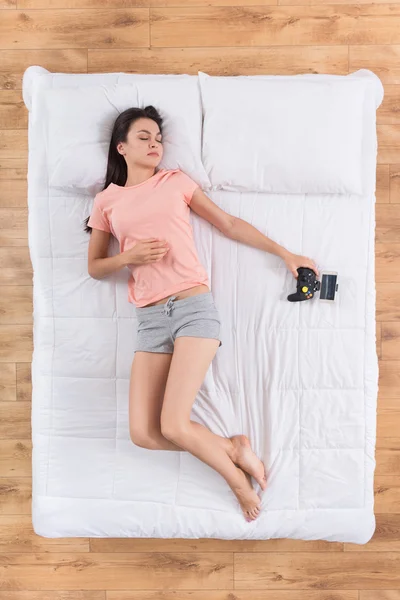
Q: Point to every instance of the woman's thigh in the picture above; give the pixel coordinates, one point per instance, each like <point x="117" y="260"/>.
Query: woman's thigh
<point x="149" y="374"/>
<point x="190" y="361"/>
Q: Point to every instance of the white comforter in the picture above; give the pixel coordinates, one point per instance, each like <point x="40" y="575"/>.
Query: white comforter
<point x="296" y="157"/>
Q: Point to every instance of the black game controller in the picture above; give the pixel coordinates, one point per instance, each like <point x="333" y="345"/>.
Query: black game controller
<point x="307" y="284"/>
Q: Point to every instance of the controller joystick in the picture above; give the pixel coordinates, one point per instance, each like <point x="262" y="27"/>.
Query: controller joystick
<point x="307" y="285"/>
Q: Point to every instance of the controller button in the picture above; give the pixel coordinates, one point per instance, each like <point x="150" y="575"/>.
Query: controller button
<point x="304" y="289"/>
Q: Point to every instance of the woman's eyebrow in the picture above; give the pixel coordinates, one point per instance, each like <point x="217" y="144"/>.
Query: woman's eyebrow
<point x="145" y="130"/>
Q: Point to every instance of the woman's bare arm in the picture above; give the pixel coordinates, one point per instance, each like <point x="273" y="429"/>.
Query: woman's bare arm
<point x="99" y="264"/>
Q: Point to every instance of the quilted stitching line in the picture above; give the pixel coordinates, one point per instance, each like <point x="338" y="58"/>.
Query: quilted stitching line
<point x="116" y="352"/>
<point x="300" y="391"/>
<point x="235" y="328"/>
<point x="116" y="394"/>
<point x="165" y="314"/>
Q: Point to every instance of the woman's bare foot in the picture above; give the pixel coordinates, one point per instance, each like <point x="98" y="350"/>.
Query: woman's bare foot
<point x="244" y="457"/>
<point x="248" y="498"/>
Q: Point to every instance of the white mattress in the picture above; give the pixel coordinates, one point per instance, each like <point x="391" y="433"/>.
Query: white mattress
<point x="300" y="380"/>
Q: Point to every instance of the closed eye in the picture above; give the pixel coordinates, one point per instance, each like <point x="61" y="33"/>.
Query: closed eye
<point x="145" y="139"/>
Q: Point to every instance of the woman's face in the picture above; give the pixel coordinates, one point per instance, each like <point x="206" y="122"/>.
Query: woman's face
<point x="144" y="137"/>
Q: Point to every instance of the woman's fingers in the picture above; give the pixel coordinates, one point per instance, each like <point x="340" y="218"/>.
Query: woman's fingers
<point x="311" y="265"/>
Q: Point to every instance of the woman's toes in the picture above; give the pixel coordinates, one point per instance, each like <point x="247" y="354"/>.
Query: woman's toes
<point x="251" y="515"/>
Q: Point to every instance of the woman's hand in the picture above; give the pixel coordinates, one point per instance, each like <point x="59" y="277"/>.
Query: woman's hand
<point x="145" y="251"/>
<point x="294" y="261"/>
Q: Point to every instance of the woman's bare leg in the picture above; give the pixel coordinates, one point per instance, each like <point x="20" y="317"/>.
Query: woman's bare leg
<point x="189" y="364"/>
<point x="149" y="374"/>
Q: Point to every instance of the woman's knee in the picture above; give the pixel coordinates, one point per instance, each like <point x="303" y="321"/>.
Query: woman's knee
<point x="144" y="439"/>
<point x="173" y="429"/>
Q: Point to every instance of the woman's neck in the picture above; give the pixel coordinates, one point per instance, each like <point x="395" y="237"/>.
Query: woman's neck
<point x="137" y="175"/>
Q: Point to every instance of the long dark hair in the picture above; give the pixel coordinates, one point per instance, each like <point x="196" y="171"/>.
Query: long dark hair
<point x="116" y="165"/>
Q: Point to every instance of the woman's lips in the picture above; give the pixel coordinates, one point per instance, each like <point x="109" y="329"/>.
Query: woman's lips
<point x="152" y="154"/>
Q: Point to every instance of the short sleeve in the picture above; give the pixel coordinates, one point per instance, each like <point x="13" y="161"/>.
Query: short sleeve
<point x="188" y="186"/>
<point x="98" y="219"/>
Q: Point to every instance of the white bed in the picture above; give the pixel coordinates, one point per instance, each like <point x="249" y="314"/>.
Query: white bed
<point x="296" y="157"/>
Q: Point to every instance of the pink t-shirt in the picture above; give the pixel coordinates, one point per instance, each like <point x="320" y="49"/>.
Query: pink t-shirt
<point x="157" y="207"/>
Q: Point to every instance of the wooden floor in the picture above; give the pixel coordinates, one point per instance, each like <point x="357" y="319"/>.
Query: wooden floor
<point x="220" y="38"/>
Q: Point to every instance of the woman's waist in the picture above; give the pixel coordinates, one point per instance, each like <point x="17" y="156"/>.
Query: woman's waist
<point x="197" y="290"/>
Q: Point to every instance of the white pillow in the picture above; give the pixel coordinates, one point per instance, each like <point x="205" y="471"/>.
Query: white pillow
<point x="80" y="121"/>
<point x="290" y="134"/>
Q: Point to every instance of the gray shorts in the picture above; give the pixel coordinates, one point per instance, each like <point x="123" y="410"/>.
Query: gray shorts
<point x="159" y="325"/>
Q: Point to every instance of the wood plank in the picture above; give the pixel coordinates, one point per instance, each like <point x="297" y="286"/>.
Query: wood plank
<point x="15" y="420"/>
<point x="13" y="112"/>
<point x="322" y="2"/>
<point x="8" y="382"/>
<point x="14" y="164"/>
<point x="16" y="305"/>
<point x="16" y="172"/>
<point x="8" y="276"/>
<point x="388" y="444"/>
<point x="53" y="595"/>
<point x="13" y="143"/>
<point x="389" y="405"/>
<point x="389" y="378"/>
<point x="123" y="3"/>
<point x="382" y="184"/>
<point x="394" y="174"/>
<point x="24" y="382"/>
<point x="386" y="493"/>
<point x="390" y="341"/>
<point x="388" y="417"/>
<point x="387" y="265"/>
<point x="232" y="594"/>
<point x="14" y="193"/>
<point x="222" y="61"/>
<point x="15" y="497"/>
<point x="348" y="570"/>
<point x="8" y="240"/>
<point x="379" y="339"/>
<point x="387" y="222"/>
<point x="15" y="266"/>
<point x="379" y="595"/>
<point x="388" y="111"/>
<point x="388" y="462"/>
<point x="17" y="535"/>
<point x="211" y="545"/>
<point x="276" y="25"/>
<point x="15" y="458"/>
<point x="127" y="571"/>
<point x="388" y="135"/>
<point x="69" y="28"/>
<point x="16" y="345"/>
<point x="388" y="302"/>
<point x="14" y="222"/>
